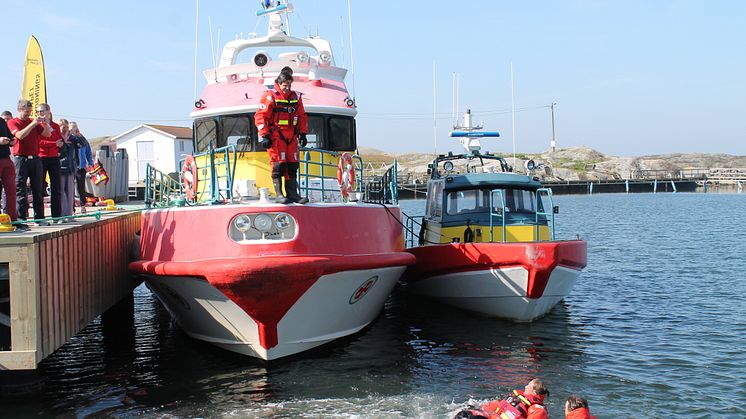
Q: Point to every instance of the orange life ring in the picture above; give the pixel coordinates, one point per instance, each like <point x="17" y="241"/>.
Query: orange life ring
<point x="345" y="174"/>
<point x="189" y="177"/>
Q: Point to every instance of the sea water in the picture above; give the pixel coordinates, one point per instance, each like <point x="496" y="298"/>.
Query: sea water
<point x="654" y="328"/>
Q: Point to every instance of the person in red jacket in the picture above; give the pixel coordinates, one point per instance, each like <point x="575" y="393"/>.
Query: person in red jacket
<point x="527" y="404"/>
<point x="282" y="123"/>
<point x="576" y="407"/>
<point x="27" y="134"/>
<point x="49" y="151"/>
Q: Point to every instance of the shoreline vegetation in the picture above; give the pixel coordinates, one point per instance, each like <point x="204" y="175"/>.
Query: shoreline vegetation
<point x="569" y="164"/>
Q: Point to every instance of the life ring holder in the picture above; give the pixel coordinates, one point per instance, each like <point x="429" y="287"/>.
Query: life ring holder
<point x="189" y="179"/>
<point x="345" y="166"/>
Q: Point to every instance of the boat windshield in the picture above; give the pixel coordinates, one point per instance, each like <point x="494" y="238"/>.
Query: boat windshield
<point x="326" y="132"/>
<point x="478" y="201"/>
<point x="467" y="201"/>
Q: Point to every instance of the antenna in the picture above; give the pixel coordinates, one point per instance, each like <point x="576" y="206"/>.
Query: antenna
<point x="453" y="97"/>
<point x="457" y="95"/>
<point x="512" y="107"/>
<point x="287" y="23"/>
<point x="554" y="142"/>
<point x="342" y="38"/>
<point x="455" y="115"/>
<point x="212" y="51"/>
<point x="196" y="42"/>
<point x="352" y="60"/>
<point x="435" y="120"/>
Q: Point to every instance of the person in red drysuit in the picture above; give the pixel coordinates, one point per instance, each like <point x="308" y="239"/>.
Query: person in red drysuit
<point x="282" y="123"/>
<point x="526" y="404"/>
<point x="576" y="407"/>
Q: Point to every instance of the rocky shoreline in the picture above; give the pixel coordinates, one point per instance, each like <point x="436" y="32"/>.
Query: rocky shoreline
<point x="571" y="164"/>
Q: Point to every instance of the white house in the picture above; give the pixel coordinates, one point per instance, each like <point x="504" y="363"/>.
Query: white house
<point x="160" y="145"/>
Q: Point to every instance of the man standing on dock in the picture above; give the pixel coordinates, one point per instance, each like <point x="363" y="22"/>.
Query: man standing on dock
<point x="28" y="132"/>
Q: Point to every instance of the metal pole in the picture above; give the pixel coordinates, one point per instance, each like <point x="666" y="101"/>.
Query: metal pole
<point x="554" y="142"/>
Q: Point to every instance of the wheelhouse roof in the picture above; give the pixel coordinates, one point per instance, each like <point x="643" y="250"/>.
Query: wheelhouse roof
<point x="491" y="180"/>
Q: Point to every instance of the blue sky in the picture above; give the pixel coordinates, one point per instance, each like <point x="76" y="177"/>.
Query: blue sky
<point x="629" y="77"/>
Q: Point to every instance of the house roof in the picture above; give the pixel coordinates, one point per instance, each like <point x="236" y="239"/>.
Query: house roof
<point x="178" y="132"/>
<point x="168" y="130"/>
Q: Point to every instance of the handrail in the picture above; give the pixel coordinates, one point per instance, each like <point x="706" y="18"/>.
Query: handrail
<point x="321" y="164"/>
<point x="228" y="174"/>
<point x="384" y="189"/>
<point x="549" y="215"/>
<point x="160" y="188"/>
<point x="500" y="214"/>
<point x="409" y="235"/>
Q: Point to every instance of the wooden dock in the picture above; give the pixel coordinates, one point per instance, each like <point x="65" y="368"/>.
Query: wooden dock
<point x="55" y="279"/>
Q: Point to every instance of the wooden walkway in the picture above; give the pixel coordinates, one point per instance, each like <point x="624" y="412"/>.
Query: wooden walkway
<point x="59" y="278"/>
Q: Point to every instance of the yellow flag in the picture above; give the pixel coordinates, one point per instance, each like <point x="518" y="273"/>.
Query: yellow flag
<point x="34" y="87"/>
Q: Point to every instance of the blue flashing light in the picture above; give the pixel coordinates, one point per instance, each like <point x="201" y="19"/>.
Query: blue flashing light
<point x="474" y="134"/>
<point x="278" y="8"/>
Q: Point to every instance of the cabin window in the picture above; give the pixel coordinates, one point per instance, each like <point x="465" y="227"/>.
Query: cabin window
<point x="341" y="134"/>
<point x="237" y="130"/>
<point x="331" y="132"/>
<point x="518" y="200"/>
<point x="461" y="202"/>
<point x="315" y="131"/>
<point x="206" y="133"/>
<point x="434" y="207"/>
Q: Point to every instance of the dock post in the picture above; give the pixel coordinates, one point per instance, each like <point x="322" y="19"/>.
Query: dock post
<point x="626" y="185"/>
<point x="673" y="185"/>
<point x="655" y="185"/>
<point x="740" y="186"/>
<point x="590" y="188"/>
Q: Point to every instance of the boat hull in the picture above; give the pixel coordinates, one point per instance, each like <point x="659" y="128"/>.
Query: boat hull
<point x="271" y="299"/>
<point x="321" y="315"/>
<point x="517" y="281"/>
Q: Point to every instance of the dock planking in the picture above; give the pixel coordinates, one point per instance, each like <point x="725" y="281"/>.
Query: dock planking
<point x="60" y="278"/>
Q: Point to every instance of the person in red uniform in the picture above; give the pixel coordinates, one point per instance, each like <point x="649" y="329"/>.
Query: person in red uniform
<point x="576" y="407"/>
<point x="282" y="123"/>
<point x="527" y="404"/>
<point x="8" y="174"/>
<point x="49" y="152"/>
<point x="28" y="132"/>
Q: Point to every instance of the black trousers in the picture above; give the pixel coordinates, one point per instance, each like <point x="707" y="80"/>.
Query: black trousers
<point x="51" y="166"/>
<point x="288" y="170"/>
<point x="80" y="184"/>
<point x="29" y="170"/>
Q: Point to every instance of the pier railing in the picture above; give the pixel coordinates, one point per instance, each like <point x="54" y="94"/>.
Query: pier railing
<point x="733" y="176"/>
<point x="668" y="174"/>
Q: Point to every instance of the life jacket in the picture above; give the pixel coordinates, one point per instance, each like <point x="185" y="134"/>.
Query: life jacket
<point x="285" y="112"/>
<point x="517" y="405"/>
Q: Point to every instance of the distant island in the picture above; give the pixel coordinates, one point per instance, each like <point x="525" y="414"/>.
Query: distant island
<point x="571" y="164"/>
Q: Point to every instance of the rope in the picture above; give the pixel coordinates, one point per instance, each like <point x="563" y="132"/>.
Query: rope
<point x="401" y="224"/>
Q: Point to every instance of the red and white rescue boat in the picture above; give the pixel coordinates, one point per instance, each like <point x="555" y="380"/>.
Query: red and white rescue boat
<point x="255" y="277"/>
